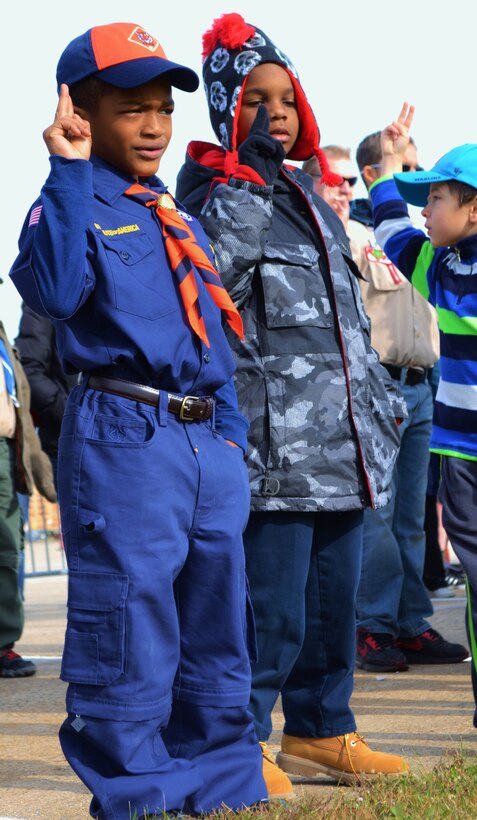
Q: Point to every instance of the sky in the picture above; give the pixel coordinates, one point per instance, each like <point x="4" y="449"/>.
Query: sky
<point x="357" y="61"/>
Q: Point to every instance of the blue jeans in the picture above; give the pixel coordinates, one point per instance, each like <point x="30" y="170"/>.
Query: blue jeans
<point x="303" y="570"/>
<point x="392" y="596"/>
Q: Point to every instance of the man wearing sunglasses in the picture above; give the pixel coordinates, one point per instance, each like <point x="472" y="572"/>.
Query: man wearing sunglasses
<point x="339" y="197"/>
<point x="393" y="604"/>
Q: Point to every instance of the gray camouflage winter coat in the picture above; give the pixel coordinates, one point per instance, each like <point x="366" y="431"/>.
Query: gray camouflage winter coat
<point x="322" y="409"/>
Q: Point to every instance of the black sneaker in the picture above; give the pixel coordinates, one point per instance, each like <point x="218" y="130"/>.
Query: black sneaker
<point x="12" y="665"/>
<point x="431" y="647"/>
<point x="377" y="652"/>
<point x="455" y="576"/>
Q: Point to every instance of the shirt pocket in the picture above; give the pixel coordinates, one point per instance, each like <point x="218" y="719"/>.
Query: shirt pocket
<point x="294" y="290"/>
<point x="380" y="273"/>
<point x="138" y="278"/>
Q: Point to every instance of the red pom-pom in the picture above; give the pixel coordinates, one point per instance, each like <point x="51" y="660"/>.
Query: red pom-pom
<point x="327" y="177"/>
<point x="230" y="30"/>
<point x="330" y="179"/>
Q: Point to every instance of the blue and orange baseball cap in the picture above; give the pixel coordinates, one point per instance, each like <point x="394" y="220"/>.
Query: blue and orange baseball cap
<point x="459" y="164"/>
<point x="122" y="54"/>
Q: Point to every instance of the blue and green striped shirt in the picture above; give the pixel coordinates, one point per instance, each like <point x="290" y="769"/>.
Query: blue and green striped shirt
<point x="447" y="278"/>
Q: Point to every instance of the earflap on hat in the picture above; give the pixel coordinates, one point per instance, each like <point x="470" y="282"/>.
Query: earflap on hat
<point x="308" y="141"/>
<point x="232" y="48"/>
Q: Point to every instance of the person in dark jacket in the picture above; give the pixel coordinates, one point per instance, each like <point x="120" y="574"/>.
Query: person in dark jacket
<point x="23" y="465"/>
<point x="323" y="438"/>
<point x="49" y="384"/>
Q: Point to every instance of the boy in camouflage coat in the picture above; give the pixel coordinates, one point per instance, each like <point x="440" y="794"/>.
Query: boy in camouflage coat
<point x="323" y="437"/>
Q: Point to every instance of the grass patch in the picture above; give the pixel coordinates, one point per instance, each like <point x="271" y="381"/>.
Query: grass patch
<point x="448" y="791"/>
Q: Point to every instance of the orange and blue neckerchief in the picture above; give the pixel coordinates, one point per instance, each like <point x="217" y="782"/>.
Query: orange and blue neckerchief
<point x="186" y="256"/>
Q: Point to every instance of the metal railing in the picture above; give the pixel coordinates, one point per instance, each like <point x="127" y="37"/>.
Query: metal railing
<point x="44" y="553"/>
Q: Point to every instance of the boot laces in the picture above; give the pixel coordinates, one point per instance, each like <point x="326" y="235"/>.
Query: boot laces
<point x="266" y="752"/>
<point x="347" y="742"/>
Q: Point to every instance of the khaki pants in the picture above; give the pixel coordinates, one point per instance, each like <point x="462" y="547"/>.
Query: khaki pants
<point x="11" y="542"/>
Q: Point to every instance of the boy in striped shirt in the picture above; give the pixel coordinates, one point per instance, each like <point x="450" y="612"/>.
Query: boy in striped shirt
<point x="443" y="268"/>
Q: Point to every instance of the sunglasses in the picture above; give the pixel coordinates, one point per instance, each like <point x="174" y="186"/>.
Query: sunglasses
<point x="350" y="180"/>
<point x="405" y="167"/>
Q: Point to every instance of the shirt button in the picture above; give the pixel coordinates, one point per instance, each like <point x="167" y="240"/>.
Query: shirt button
<point x="206" y="358"/>
<point x="124" y="255"/>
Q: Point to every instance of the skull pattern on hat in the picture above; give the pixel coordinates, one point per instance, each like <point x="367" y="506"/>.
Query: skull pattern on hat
<point x="232" y="48"/>
<point x="226" y="68"/>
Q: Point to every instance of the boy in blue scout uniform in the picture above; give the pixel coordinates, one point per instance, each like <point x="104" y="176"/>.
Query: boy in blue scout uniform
<point x="153" y="487"/>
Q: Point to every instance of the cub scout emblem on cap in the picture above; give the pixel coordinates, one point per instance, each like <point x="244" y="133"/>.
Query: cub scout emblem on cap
<point x="142" y="38"/>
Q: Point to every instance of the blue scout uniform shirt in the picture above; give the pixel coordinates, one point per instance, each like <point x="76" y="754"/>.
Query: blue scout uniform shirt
<point x="93" y="261"/>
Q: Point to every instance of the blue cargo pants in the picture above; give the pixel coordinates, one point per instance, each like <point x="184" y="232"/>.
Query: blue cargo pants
<point x="159" y="621"/>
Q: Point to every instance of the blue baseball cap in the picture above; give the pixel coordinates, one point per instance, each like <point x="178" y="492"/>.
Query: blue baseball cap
<point x="122" y="54"/>
<point x="459" y="164"/>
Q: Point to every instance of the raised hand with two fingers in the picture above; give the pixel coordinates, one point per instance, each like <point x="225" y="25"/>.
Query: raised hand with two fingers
<point x="395" y="140"/>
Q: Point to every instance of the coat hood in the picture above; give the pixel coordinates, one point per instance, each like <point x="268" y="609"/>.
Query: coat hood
<point x="231" y="50"/>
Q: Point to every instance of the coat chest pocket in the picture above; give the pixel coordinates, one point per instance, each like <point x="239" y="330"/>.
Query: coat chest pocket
<point x="294" y="289"/>
<point x="138" y="281"/>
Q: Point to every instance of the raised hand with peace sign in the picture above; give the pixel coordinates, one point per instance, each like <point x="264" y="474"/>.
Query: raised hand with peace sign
<point x="395" y="140"/>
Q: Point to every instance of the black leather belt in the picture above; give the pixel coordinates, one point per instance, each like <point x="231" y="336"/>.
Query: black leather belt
<point x="188" y="408"/>
<point x="407" y="375"/>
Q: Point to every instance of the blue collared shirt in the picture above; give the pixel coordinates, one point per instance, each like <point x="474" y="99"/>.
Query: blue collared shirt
<point x="94" y="262"/>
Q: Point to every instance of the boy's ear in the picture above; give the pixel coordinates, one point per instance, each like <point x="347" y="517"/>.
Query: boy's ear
<point x="369" y="175"/>
<point x="473" y="210"/>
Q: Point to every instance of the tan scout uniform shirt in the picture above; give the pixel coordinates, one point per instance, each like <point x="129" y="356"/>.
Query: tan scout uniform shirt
<point x="403" y="325"/>
<point x="7" y="410"/>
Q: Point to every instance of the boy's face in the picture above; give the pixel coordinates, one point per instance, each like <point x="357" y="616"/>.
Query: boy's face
<point x="270" y="85"/>
<point x="132" y="127"/>
<point x="447" y="222"/>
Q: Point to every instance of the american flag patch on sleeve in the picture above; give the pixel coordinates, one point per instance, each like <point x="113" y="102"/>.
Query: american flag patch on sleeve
<point x="35" y="215"/>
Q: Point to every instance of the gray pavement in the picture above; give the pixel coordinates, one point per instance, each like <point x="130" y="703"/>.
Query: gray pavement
<point x="423" y="713"/>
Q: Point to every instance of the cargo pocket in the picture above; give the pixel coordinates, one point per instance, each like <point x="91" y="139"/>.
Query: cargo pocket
<point x="95" y="633"/>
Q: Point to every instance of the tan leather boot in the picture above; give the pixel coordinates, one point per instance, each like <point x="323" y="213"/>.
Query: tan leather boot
<point x="346" y="758"/>
<point x="277" y="783"/>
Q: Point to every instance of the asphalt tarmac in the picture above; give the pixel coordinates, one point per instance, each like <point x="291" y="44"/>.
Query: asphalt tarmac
<point x="424" y="713"/>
